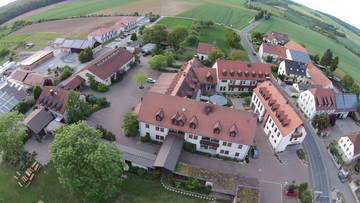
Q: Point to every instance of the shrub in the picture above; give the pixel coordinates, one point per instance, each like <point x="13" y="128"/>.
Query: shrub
<point x="192" y="183"/>
<point x="247" y="100"/>
<point x="357" y="181"/>
<point x="189" y="147"/>
<point x="142" y="173"/>
<point x="155" y="175"/>
<point x="177" y="184"/>
<point x="169" y="179"/>
<point x="146" y="138"/>
<point x="22" y="107"/>
<point x="101" y="87"/>
<point x="133" y="169"/>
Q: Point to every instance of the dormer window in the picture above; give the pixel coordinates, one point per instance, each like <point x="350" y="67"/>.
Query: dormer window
<point x="159" y="115"/>
<point x="224" y="72"/>
<point x="232" y="73"/>
<point x="181" y="123"/>
<point x="217" y="128"/>
<point x="209" y="77"/>
<point x="253" y="73"/>
<point x="239" y="73"/>
<point x="174" y="118"/>
<point x="233" y="131"/>
<point x="247" y="73"/>
<point x="193" y="122"/>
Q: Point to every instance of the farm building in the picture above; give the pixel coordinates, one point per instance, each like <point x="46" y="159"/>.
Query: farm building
<point x="28" y="78"/>
<point x="76" y="46"/>
<point x="106" y="66"/>
<point x="37" y="121"/>
<point x="10" y="96"/>
<point x="36" y="59"/>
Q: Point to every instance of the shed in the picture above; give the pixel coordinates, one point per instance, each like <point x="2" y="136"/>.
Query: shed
<point x="148" y="47"/>
<point x="37" y="121"/>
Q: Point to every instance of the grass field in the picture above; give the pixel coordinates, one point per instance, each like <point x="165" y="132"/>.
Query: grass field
<point x="46" y="187"/>
<point x="315" y="43"/>
<point x="44" y="39"/>
<point x="349" y="43"/>
<point x="77" y="7"/>
<point x="235" y="16"/>
<point x="215" y="33"/>
<point x="14" y="39"/>
<point x="5" y="32"/>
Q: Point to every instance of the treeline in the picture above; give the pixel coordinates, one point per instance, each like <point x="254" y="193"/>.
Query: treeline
<point x="344" y="24"/>
<point x="22" y="7"/>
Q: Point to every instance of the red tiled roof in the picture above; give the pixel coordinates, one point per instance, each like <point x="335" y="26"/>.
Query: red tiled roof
<point x="243" y="67"/>
<point x="100" y="31"/>
<point x="203" y="73"/>
<point x="59" y="98"/>
<point x="20" y="75"/>
<point x="292" y="45"/>
<point x="206" y="48"/>
<point x="73" y="82"/>
<point x="274" y="49"/>
<point x="324" y="97"/>
<point x="284" y="108"/>
<point x="207" y="116"/>
<point x="116" y="27"/>
<point x="355" y="139"/>
<point x="127" y="20"/>
<point x="36" y="79"/>
<point x="111" y="65"/>
<point x="317" y="77"/>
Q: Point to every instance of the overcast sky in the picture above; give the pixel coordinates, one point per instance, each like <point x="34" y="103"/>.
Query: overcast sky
<point x="346" y="10"/>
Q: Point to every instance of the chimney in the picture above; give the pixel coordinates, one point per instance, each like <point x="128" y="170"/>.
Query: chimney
<point x="52" y="92"/>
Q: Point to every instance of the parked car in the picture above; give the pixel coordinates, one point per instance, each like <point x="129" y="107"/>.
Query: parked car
<point x="290" y="192"/>
<point x="288" y="82"/>
<point x="342" y="177"/>
<point x="122" y="37"/>
<point x="357" y="169"/>
<point x="144" y="54"/>
<point x="254" y="53"/>
<point x="150" y="80"/>
<point x="255" y="153"/>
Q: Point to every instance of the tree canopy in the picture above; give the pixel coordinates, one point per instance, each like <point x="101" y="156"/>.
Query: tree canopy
<point x="347" y="81"/>
<point x="37" y="91"/>
<point x="141" y="77"/>
<point x="236" y="55"/>
<point x="76" y="107"/>
<point x="178" y="35"/>
<point x="327" y="58"/>
<point x="156" y="33"/>
<point x="86" y="164"/>
<point x="11" y="134"/>
<point x="130" y="124"/>
<point x="321" y="121"/>
<point x="156" y="62"/>
<point x="169" y="58"/>
<point x="233" y="38"/>
<point x="215" y="54"/>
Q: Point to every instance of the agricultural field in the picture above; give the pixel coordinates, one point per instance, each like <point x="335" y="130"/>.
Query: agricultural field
<point x="14" y="39"/>
<point x="77" y="7"/>
<point x="170" y="22"/>
<point x="5" y="32"/>
<point x="314" y="42"/>
<point x="236" y="17"/>
<point x="349" y="43"/>
<point x="44" y="39"/>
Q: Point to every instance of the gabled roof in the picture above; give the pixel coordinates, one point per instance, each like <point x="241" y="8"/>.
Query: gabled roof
<point x="298" y="56"/>
<point x="346" y="102"/>
<point x="169" y="152"/>
<point x="294" y="67"/>
<point x="274" y="49"/>
<point x="324" y="97"/>
<point x="100" y="31"/>
<point x="292" y="45"/>
<point x="137" y="156"/>
<point x="116" y="27"/>
<point x="317" y="77"/>
<point x="59" y="41"/>
<point x="203" y="73"/>
<point x="54" y="98"/>
<point x="206" y="48"/>
<point x="303" y="86"/>
<point x="21" y="74"/>
<point x="36" y="79"/>
<point x="283" y="107"/>
<point x="10" y="96"/>
<point x="107" y="64"/>
<point x="127" y="20"/>
<point x="277" y="35"/>
<point x="73" y="82"/>
<point x="207" y="115"/>
<point x="38" y="120"/>
<point x="242" y="70"/>
<point x="355" y="139"/>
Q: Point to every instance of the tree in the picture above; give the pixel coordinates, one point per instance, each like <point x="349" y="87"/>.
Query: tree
<point x="76" y="107"/>
<point x="178" y="35"/>
<point x="22" y="107"/>
<point x="169" y="58"/>
<point x="37" y="91"/>
<point x="215" y="54"/>
<point x="321" y="121"/>
<point x="156" y="62"/>
<point x="156" y="33"/>
<point x="237" y="55"/>
<point x="209" y="22"/>
<point x="257" y="35"/>
<point x="233" y="38"/>
<point x="334" y="63"/>
<point x="355" y="88"/>
<point x="83" y="57"/>
<point x="90" y="53"/>
<point x="141" y="29"/>
<point x="141" y="77"/>
<point x="192" y="40"/>
<point x="48" y="82"/>
<point x="92" y="82"/>
<point x="332" y="120"/>
<point x="86" y="164"/>
<point x="347" y="81"/>
<point x="11" y="134"/>
<point x="133" y="36"/>
<point x="192" y="183"/>
<point x="130" y="124"/>
<point x="327" y="58"/>
<point x="315" y="58"/>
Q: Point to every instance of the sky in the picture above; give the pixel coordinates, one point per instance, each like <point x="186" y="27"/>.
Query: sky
<point x="346" y="10"/>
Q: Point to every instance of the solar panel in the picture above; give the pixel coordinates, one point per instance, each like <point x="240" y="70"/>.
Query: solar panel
<point x="77" y="44"/>
<point x="46" y="99"/>
<point x="50" y="101"/>
<point x="339" y="101"/>
<point x="60" y="104"/>
<point x="87" y="43"/>
<point x="350" y="101"/>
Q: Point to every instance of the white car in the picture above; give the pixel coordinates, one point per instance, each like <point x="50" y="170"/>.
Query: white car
<point x="150" y="80"/>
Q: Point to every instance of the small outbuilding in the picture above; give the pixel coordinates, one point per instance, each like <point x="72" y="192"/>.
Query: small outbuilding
<point x="36" y="59"/>
<point x="37" y="121"/>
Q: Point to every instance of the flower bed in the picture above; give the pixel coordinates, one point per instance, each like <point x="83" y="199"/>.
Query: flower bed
<point x="248" y="195"/>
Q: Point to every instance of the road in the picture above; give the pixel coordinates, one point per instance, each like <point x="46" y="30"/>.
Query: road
<point x="318" y="171"/>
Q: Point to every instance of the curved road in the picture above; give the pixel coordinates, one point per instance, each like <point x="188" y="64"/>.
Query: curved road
<point x="318" y="172"/>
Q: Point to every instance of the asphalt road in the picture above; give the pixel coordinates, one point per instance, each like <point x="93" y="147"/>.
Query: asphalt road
<point x="246" y="43"/>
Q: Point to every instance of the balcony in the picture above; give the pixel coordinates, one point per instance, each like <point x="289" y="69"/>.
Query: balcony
<point x="207" y="149"/>
<point x="176" y="133"/>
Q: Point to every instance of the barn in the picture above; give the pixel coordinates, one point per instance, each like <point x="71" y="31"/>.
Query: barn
<point x="36" y="59"/>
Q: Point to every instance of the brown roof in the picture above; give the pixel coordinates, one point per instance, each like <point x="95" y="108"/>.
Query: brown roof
<point x="205" y="48"/>
<point x="38" y="120"/>
<point x="317" y="76"/>
<point x="100" y="31"/>
<point x="127" y="20"/>
<point x="56" y="100"/>
<point x="163" y="82"/>
<point x="323" y="96"/>
<point x="36" y="79"/>
<point x="73" y="82"/>
<point x="203" y="73"/>
<point x="290" y="117"/>
<point x="242" y="70"/>
<point x="277" y="35"/>
<point x="206" y="114"/>
<point x="355" y="139"/>
<point x="110" y="65"/>
<point x="274" y="49"/>
<point x="292" y="45"/>
<point x="20" y="75"/>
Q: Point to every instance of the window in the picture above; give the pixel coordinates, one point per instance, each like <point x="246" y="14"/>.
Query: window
<point x="344" y="145"/>
<point x="223" y="80"/>
<point x="192" y="125"/>
<point x="217" y="131"/>
<point x="195" y="137"/>
<point x="181" y="123"/>
<point x="147" y="126"/>
<point x="224" y="143"/>
<point x="272" y="125"/>
<point x="240" y="146"/>
<point x="222" y="151"/>
<point x="222" y="88"/>
<point x="190" y="136"/>
<point x="347" y="149"/>
<point x="158" y="137"/>
<point x="275" y="141"/>
<point x="275" y="130"/>
<point x="157" y="128"/>
<point x="226" y="152"/>
<point x="278" y="134"/>
<point x="232" y="134"/>
<point x="231" y="89"/>
<point x="229" y="144"/>
<point x="161" y="129"/>
<point x="237" y="154"/>
<point x="147" y="134"/>
<point x="158" y="118"/>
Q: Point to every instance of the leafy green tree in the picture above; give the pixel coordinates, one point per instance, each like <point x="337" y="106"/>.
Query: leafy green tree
<point x="169" y="58"/>
<point x="11" y="134"/>
<point x="321" y="121"/>
<point x="22" y="107"/>
<point x="302" y="44"/>
<point x="101" y="87"/>
<point x="90" y="53"/>
<point x="192" y="183"/>
<point x="215" y="54"/>
<point x="130" y="124"/>
<point x="156" y="62"/>
<point x="208" y="22"/>
<point x="327" y="58"/>
<point x="141" y="77"/>
<point x="192" y="40"/>
<point x="141" y="29"/>
<point x="347" y="81"/>
<point x="233" y="38"/>
<point x="156" y="33"/>
<point x="37" y="91"/>
<point x="355" y="88"/>
<point x="258" y="36"/>
<point x="236" y="55"/>
<point x="178" y="35"/>
<point x="334" y="63"/>
<point x="315" y="58"/>
<point x="83" y="57"/>
<point x="76" y="107"/>
<point x="133" y="36"/>
<point x="86" y="164"/>
<point x="92" y="82"/>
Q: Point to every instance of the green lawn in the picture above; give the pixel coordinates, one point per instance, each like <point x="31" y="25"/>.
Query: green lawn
<point x="221" y="13"/>
<point x="5" y="32"/>
<point x="78" y="7"/>
<point x="170" y="22"/>
<point x="14" y="39"/>
<point x="315" y="43"/>
<point x="46" y="187"/>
